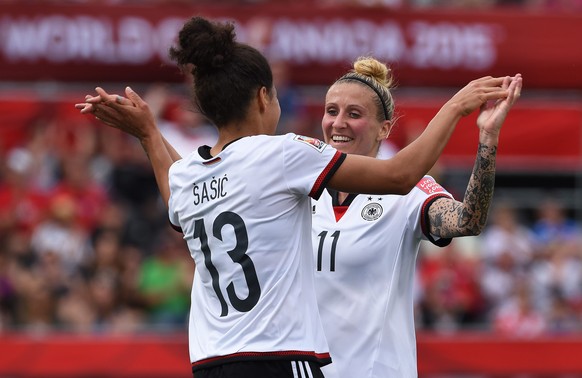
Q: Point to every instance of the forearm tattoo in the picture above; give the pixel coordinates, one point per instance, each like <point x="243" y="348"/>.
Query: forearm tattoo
<point x="449" y="218"/>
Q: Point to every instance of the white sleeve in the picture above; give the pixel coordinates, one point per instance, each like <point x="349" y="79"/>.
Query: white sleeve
<point x="429" y="191"/>
<point x="309" y="164"/>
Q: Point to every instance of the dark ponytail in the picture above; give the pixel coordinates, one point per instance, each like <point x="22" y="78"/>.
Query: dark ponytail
<point x="226" y="73"/>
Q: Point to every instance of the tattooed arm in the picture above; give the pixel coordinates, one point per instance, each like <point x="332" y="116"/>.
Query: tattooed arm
<point x="449" y="218"/>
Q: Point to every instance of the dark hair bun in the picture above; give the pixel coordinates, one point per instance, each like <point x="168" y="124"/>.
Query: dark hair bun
<point x="208" y="46"/>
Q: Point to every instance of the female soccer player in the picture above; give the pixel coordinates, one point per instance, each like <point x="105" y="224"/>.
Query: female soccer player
<point x="244" y="203"/>
<point x="365" y="246"/>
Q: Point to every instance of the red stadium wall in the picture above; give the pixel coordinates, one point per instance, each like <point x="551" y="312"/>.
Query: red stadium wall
<point x="548" y="357"/>
<point x="166" y="356"/>
<point x="94" y="356"/>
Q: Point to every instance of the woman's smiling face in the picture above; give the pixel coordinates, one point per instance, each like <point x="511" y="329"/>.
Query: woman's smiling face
<point x="350" y="122"/>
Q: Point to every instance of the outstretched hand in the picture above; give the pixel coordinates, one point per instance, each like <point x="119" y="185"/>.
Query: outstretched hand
<point x="493" y="113"/>
<point x="129" y="114"/>
<point x="478" y="92"/>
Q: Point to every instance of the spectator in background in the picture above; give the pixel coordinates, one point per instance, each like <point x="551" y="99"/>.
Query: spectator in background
<point x="556" y="274"/>
<point x="182" y="126"/>
<point x="518" y="317"/>
<point x="74" y="310"/>
<point x="36" y="304"/>
<point x="507" y="249"/>
<point x="507" y="234"/>
<point x="132" y="186"/>
<point x="103" y="272"/>
<point x="563" y="317"/>
<point x="78" y="183"/>
<point x="22" y="204"/>
<point x="164" y="282"/>
<point x="452" y="296"/>
<point x="498" y="278"/>
<point x="553" y="225"/>
<point x="17" y="261"/>
<point x="61" y="239"/>
<point x="556" y="278"/>
<point x="8" y="294"/>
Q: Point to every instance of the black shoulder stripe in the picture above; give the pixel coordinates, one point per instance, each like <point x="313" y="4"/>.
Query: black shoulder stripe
<point x="442" y="242"/>
<point x="327" y="174"/>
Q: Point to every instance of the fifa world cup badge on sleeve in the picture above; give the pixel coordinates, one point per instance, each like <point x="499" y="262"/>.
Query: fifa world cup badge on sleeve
<point x="313" y="142"/>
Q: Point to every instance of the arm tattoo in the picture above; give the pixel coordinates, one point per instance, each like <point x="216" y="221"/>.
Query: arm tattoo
<point x="449" y="218"/>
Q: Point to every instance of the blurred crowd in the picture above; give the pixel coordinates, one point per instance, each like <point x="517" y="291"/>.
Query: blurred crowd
<point x="521" y="277"/>
<point x="85" y="243"/>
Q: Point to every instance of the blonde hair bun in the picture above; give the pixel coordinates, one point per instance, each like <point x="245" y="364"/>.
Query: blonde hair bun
<point x="374" y="69"/>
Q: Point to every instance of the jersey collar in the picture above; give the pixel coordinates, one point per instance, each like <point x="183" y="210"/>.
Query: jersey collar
<point x="335" y="198"/>
<point x="204" y="151"/>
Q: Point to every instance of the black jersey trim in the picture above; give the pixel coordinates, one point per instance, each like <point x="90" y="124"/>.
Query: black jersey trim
<point x="424" y="221"/>
<point x="176" y="228"/>
<point x="335" y="198"/>
<point x="327" y="174"/>
<point x="321" y="359"/>
<point x="340" y="209"/>
<point x="204" y="152"/>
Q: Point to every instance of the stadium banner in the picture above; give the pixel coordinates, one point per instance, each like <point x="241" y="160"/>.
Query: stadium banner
<point x="445" y="47"/>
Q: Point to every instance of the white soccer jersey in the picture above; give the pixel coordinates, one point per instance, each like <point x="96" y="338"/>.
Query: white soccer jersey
<point x="246" y="217"/>
<point x="365" y="263"/>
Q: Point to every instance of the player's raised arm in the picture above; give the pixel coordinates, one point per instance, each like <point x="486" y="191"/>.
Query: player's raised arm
<point x="449" y="218"/>
<point x="402" y="172"/>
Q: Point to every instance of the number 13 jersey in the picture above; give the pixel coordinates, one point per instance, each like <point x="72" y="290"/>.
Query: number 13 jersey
<point x="246" y="217"/>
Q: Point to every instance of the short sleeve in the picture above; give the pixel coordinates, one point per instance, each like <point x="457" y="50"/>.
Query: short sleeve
<point x="432" y="191"/>
<point x="309" y="164"/>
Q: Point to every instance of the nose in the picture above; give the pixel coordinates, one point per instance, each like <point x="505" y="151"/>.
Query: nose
<point x="339" y="121"/>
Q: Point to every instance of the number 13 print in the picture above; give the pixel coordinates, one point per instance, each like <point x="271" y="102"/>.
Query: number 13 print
<point x="238" y="255"/>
